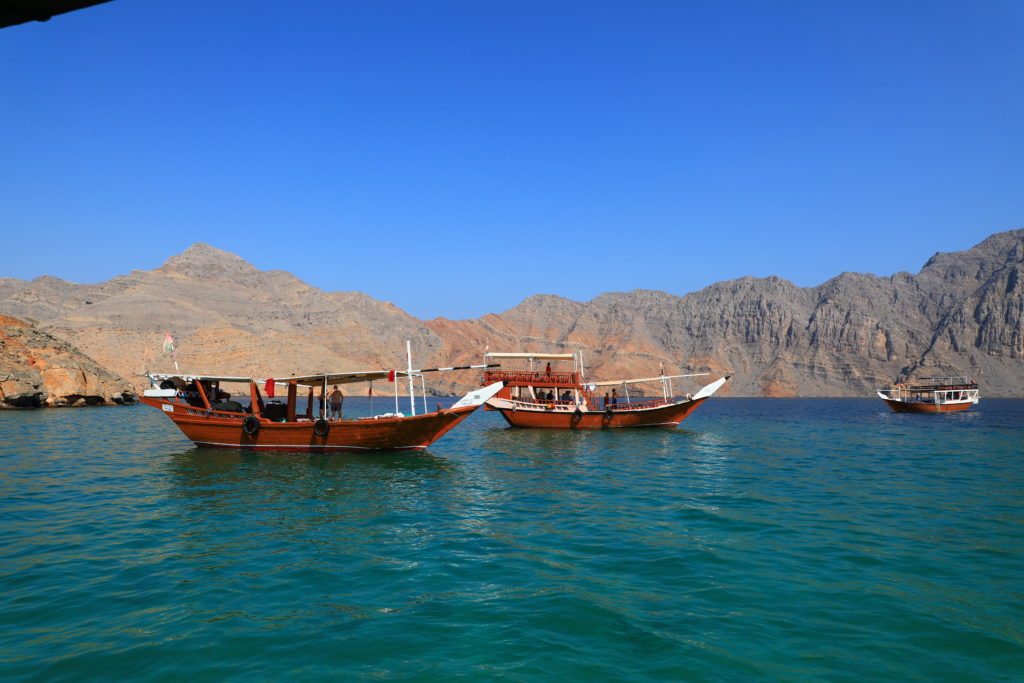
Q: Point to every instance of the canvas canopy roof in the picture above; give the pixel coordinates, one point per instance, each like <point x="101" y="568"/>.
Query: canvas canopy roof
<point x="196" y="378"/>
<point x="343" y="377"/>
<point x="317" y="380"/>
<point x="528" y="356"/>
<point x="645" y="379"/>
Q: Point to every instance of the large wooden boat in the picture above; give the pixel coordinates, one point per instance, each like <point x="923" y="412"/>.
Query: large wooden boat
<point x="203" y="411"/>
<point x="561" y="399"/>
<point x="932" y="395"/>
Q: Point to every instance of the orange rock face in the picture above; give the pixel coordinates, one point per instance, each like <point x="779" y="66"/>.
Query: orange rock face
<point x="36" y="370"/>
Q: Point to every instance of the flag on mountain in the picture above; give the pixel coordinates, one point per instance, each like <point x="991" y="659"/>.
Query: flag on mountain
<point x="168" y="343"/>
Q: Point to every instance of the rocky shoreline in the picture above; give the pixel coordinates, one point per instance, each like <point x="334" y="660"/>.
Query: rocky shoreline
<point x="37" y="370"/>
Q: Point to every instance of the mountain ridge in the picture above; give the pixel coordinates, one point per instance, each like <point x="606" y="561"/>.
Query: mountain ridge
<point x="961" y="313"/>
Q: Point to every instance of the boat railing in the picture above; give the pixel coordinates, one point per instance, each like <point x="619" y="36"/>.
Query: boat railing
<point x="530" y="378"/>
<point x="203" y="412"/>
<point x="640" y="405"/>
<point x="545" y="404"/>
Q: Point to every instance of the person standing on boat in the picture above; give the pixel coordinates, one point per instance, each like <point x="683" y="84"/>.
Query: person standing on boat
<point x="320" y="406"/>
<point x="337" y="399"/>
<point x="615" y="397"/>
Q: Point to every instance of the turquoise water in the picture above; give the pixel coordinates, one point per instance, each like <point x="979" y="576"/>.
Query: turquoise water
<point x="768" y="539"/>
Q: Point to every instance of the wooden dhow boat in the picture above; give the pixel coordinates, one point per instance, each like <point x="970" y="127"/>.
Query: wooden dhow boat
<point x="561" y="399"/>
<point x="205" y="413"/>
<point x="932" y="395"/>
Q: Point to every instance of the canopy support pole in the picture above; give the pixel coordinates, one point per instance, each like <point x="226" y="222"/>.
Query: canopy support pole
<point x="412" y="384"/>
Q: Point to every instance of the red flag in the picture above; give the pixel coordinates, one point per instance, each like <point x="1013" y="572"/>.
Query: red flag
<point x="269" y="388"/>
<point x="391" y="375"/>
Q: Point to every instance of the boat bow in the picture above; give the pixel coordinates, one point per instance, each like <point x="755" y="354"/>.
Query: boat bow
<point x="710" y="389"/>
<point x="479" y="397"/>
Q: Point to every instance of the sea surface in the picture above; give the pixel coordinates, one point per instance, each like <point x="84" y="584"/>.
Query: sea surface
<point x="765" y="539"/>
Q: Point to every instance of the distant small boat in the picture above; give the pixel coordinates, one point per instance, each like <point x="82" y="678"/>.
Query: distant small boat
<point x="204" y="413"/>
<point x="932" y="395"/>
<point x="559" y="399"/>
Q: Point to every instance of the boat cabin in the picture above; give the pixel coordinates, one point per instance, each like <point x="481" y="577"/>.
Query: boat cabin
<point x="936" y="390"/>
<point x="549" y="382"/>
<point x="540" y="383"/>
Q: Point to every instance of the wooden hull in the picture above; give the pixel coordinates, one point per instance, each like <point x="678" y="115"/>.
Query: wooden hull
<point x="660" y="416"/>
<point x="385" y="434"/>
<point x="918" y="407"/>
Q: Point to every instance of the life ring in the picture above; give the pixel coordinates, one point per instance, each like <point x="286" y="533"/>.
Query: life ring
<point x="251" y="425"/>
<point x="321" y="427"/>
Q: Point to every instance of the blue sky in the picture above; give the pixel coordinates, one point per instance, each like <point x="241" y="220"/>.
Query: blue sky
<point x="456" y="157"/>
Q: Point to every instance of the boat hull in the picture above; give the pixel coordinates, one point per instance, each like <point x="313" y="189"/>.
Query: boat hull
<point x="224" y="430"/>
<point x="921" y="407"/>
<point x="667" y="416"/>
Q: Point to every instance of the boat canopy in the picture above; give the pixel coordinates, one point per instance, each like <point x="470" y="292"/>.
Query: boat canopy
<point x="160" y="377"/>
<point x="531" y="356"/>
<point x="617" y="382"/>
<point x="351" y="377"/>
<point x="345" y="377"/>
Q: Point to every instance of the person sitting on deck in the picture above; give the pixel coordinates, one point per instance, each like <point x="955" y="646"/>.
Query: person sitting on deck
<point x="566" y="396"/>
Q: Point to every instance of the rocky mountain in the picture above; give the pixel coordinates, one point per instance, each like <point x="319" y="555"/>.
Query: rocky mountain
<point x="37" y="369"/>
<point x="960" y="314"/>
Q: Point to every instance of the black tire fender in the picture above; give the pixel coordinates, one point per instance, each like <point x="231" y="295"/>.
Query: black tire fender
<point x="251" y="425"/>
<point x="608" y="412"/>
<point x="321" y="427"/>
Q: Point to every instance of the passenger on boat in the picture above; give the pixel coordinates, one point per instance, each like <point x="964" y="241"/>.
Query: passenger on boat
<point x="566" y="396"/>
<point x="550" y="396"/>
<point x="337" y="399"/>
<point x="615" y="397"/>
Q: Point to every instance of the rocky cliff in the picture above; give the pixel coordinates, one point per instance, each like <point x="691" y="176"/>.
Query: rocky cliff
<point x="960" y="314"/>
<point x="37" y="370"/>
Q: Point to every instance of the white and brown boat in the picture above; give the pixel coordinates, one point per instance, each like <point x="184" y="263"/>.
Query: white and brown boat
<point x="562" y="399"/>
<point x="201" y="408"/>
<point x="932" y="395"/>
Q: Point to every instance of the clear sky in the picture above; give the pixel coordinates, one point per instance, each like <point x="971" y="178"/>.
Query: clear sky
<point x="456" y="157"/>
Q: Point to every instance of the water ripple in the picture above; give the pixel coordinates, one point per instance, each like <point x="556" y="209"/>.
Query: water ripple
<point x="787" y="539"/>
